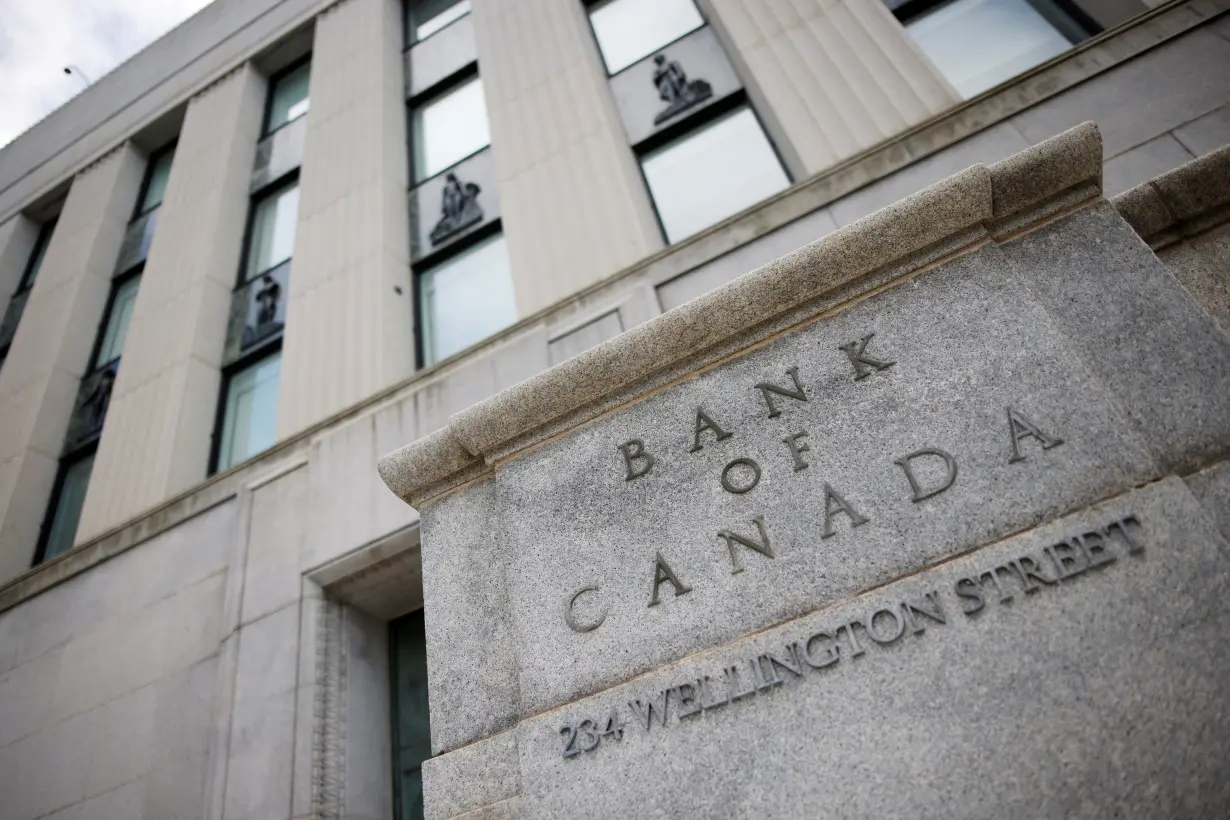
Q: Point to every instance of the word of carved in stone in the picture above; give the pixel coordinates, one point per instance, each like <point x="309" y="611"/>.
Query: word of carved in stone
<point x="883" y="625"/>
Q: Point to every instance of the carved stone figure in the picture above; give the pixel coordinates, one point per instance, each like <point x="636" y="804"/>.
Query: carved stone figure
<point x="267" y="297"/>
<point x="459" y="208"/>
<point x="675" y="89"/>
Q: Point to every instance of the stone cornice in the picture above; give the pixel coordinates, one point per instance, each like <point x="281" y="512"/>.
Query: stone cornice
<point x="959" y="213"/>
<point x="1179" y="203"/>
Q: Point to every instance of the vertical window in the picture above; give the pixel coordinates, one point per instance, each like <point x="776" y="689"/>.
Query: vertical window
<point x="978" y="44"/>
<point x="271" y="236"/>
<point x="17" y="303"/>
<point x="703" y="152"/>
<point x="115" y="328"/>
<point x="250" y="411"/>
<point x="157" y="172"/>
<point x="411" y="722"/>
<point x="629" y="30"/>
<point x="688" y="191"/>
<point x="466" y="298"/>
<point x="36" y="256"/>
<point x="425" y="17"/>
<point x="449" y="127"/>
<point x="288" y="97"/>
<point x="66" y="506"/>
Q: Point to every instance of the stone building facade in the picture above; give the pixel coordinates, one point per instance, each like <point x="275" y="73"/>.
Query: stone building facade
<point x="291" y="236"/>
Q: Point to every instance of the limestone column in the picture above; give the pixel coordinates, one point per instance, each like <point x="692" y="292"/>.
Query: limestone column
<point x="575" y="207"/>
<point x="17" y="238"/>
<point x="834" y="76"/>
<point x="349" y="321"/>
<point x="50" y="353"/>
<point x="157" y="437"/>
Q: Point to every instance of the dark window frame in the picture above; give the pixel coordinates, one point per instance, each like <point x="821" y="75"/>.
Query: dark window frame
<point x="1072" y="22"/>
<point x="274" y="79"/>
<point x="408" y="42"/>
<point x="448" y="84"/>
<point x="691" y="124"/>
<point x="37" y="252"/>
<point x="394" y="626"/>
<point x="435" y="259"/>
<point x="287" y="180"/>
<point x="267" y="348"/>
<point x="150" y="163"/>
<point x="590" y="5"/>
<point x="67" y="461"/>
<point x="116" y="283"/>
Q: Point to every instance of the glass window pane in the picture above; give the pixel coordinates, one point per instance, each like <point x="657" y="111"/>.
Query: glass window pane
<point x="977" y="44"/>
<point x="251" y="411"/>
<point x="411" y="721"/>
<point x="67" y="511"/>
<point x="628" y="30"/>
<point x="273" y="231"/>
<point x="466" y="299"/>
<point x="426" y="17"/>
<point x="157" y="175"/>
<point x="37" y="254"/>
<point x="712" y="173"/>
<point x="449" y="128"/>
<point x="289" y="97"/>
<point x="116" y="328"/>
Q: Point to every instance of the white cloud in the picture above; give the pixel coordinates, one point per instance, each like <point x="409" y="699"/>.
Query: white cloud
<point x="38" y="38"/>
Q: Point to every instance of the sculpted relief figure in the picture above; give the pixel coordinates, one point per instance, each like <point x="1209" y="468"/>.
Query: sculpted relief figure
<point x="675" y="89"/>
<point x="459" y="208"/>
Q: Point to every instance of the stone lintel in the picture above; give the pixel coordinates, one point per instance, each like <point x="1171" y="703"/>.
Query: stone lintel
<point x="978" y="204"/>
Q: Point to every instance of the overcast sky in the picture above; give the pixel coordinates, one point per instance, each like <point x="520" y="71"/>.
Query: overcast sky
<point x="38" y="38"/>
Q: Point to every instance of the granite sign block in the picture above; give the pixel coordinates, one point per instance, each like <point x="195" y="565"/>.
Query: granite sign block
<point x="942" y="538"/>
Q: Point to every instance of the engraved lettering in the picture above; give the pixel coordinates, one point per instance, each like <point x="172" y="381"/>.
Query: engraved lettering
<point x="791" y="664"/>
<point x="571" y="619"/>
<point x="885" y="637"/>
<point x="663" y="573"/>
<point x="864" y="365"/>
<point x="689" y="700"/>
<point x="833" y="504"/>
<point x="1019" y="428"/>
<point x="1004" y="595"/>
<point x="1029" y="572"/>
<point x="703" y="423"/>
<point x="763" y="547"/>
<point x="950" y="466"/>
<point x="797" y="449"/>
<point x="732" y="684"/>
<point x="1068" y="559"/>
<point x="767" y="390"/>
<point x="706" y="695"/>
<point x="828" y="656"/>
<point x="967" y="588"/>
<point x="928" y="606"/>
<point x="647" y="711"/>
<point x="569" y="749"/>
<point x="634" y="451"/>
<point x="1094" y="547"/>
<point x="1134" y="546"/>
<point x="855" y="648"/>
<point x="738" y="489"/>
<point x="764" y="681"/>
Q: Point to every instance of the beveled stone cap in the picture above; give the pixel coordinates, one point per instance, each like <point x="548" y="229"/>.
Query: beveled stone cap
<point x="1162" y="210"/>
<point x="976" y="205"/>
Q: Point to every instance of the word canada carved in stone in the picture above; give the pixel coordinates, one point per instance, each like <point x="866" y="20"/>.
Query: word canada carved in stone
<point x="742" y="475"/>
